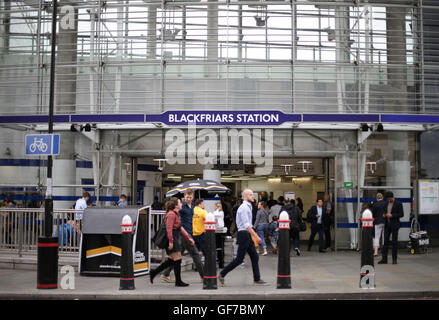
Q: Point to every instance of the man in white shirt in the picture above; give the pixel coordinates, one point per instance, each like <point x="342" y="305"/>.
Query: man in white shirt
<point x="245" y="241"/>
<point x="81" y="204"/>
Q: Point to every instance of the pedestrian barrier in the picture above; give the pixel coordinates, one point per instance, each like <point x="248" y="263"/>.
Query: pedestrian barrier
<point x="20" y="229"/>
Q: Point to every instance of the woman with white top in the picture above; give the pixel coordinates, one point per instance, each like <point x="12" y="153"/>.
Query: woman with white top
<point x="220" y="232"/>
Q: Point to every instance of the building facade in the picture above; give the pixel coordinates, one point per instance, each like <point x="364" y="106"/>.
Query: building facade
<point x="340" y="97"/>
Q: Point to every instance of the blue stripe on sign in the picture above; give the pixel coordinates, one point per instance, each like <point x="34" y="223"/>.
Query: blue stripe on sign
<point x="117" y="118"/>
<point x="341" y="117"/>
<point x="23" y="163"/>
<point x="34" y="119"/>
<point x="364" y="200"/>
<point x="409" y="118"/>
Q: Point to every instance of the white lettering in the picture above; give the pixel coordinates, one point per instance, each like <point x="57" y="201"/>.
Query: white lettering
<point x="68" y="281"/>
<point x="68" y="20"/>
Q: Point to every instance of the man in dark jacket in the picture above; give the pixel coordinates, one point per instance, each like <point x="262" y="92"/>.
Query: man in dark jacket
<point x="295" y="217"/>
<point x="315" y="216"/>
<point x="393" y="213"/>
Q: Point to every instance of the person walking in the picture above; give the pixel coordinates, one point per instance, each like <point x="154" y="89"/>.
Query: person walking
<point x="198" y="220"/>
<point x="392" y="224"/>
<point x="175" y="231"/>
<point x="315" y="216"/>
<point x="186" y="214"/>
<point x="261" y="224"/>
<point x="273" y="230"/>
<point x="220" y="232"/>
<point x="275" y="209"/>
<point x="295" y="216"/>
<point x="378" y="211"/>
<point x="245" y="242"/>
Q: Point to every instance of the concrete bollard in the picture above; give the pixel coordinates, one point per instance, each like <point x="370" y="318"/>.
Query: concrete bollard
<point x="283" y="264"/>
<point x="209" y="279"/>
<point x="367" y="273"/>
<point x="126" y="261"/>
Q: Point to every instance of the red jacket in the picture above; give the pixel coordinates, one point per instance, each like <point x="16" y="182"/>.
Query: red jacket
<point x="173" y="222"/>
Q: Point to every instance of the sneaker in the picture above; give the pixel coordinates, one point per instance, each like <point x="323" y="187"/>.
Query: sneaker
<point x="297" y="251"/>
<point x="260" y="282"/>
<point x="265" y="252"/>
<point x="221" y="279"/>
<point x="167" y="279"/>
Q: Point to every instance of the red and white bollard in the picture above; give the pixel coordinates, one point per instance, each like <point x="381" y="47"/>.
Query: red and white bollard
<point x="209" y="278"/>
<point x="126" y="261"/>
<point x="367" y="272"/>
<point x="283" y="264"/>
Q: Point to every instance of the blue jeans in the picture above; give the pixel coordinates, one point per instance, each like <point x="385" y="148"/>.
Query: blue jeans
<point x="245" y="245"/>
<point x="261" y="229"/>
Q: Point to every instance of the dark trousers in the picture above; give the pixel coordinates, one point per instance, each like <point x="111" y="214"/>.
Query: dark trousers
<point x="328" y="237"/>
<point x="219" y="237"/>
<point x="316" y="228"/>
<point x="387" y="232"/>
<point x="195" y="254"/>
<point x="200" y="243"/>
<point x="245" y="245"/>
<point x="295" y="236"/>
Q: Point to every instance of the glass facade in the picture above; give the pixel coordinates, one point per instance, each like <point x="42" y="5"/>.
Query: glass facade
<point x="298" y="57"/>
<point x="153" y="56"/>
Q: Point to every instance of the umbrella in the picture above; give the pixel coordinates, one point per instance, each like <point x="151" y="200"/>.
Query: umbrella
<point x="208" y="186"/>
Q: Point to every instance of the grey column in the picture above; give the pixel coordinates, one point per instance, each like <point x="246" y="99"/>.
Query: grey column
<point x="396" y="60"/>
<point x="398" y="172"/>
<point x="212" y="38"/>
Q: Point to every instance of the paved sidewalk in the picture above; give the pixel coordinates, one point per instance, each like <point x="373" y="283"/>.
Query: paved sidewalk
<point x="314" y="276"/>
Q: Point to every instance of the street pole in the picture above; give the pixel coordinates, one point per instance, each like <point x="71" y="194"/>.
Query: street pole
<point x="47" y="263"/>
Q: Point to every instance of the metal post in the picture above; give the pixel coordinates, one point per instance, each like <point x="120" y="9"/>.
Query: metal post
<point x="126" y="261"/>
<point x="209" y="278"/>
<point x="283" y="264"/>
<point x="367" y="274"/>
<point x="47" y="268"/>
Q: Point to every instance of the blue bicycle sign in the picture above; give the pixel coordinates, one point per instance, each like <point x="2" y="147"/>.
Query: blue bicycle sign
<point x="42" y="144"/>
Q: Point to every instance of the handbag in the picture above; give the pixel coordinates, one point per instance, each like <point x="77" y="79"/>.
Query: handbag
<point x="160" y="238"/>
<point x="302" y="225"/>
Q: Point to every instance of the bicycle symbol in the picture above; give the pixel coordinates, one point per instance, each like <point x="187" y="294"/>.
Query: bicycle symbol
<point x="38" y="144"/>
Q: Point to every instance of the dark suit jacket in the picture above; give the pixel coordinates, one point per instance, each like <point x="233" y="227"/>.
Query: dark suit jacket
<point x="397" y="213"/>
<point x="379" y="208"/>
<point x="312" y="217"/>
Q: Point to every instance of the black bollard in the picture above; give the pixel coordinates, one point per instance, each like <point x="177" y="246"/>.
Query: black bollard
<point x="126" y="261"/>
<point x="47" y="267"/>
<point x="209" y="279"/>
<point x="283" y="262"/>
<point x="367" y="273"/>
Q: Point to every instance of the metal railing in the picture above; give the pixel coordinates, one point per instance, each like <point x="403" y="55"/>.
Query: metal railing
<point x="21" y="227"/>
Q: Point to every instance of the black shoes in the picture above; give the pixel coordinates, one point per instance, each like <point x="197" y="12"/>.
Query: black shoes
<point x="382" y="262"/>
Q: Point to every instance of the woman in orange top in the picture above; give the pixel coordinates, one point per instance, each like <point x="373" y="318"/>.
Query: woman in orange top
<point x="174" y="231"/>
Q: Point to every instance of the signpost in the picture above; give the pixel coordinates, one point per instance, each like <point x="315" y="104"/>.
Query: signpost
<point x="42" y="144"/>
